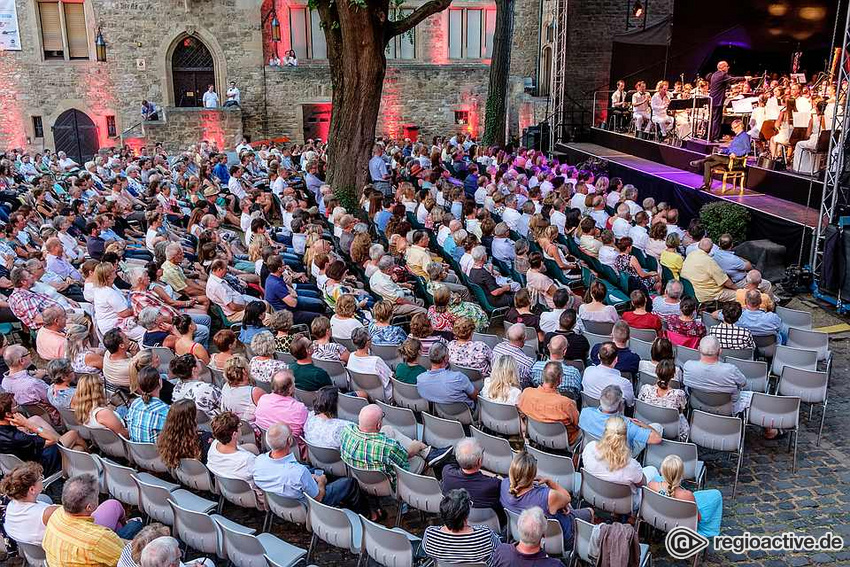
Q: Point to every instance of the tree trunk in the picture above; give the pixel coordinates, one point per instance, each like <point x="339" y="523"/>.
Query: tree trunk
<point x="495" y="111"/>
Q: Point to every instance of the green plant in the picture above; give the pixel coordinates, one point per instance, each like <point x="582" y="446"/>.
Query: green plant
<point x="721" y="217"/>
<point x="347" y="197"/>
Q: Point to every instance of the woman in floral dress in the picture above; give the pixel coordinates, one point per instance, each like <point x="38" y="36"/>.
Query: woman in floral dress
<point x="660" y="394"/>
<point x="463" y="351"/>
<point x="625" y="262"/>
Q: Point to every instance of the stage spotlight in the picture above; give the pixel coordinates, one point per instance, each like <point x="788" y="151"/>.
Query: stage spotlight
<point x="812" y="13"/>
<point x="637" y="9"/>
<point x="778" y="9"/>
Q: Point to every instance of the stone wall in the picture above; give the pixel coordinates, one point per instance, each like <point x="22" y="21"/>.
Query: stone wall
<point x="183" y="127"/>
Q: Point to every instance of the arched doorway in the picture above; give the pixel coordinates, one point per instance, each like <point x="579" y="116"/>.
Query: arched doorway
<point x="75" y="134"/>
<point x="192" y="71"/>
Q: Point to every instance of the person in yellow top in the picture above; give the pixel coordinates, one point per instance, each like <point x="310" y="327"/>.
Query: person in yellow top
<point x="418" y="256"/>
<point x="707" y="277"/>
<point x="73" y="539"/>
<point x="670" y="258"/>
<point x="753" y="280"/>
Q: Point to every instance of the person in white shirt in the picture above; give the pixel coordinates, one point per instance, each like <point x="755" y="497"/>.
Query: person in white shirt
<point x="607" y="254"/>
<point x="210" y="98"/>
<point x="73" y="250"/>
<point x="597" y="378"/>
<point x="638" y="233"/>
<point x="622" y="223"/>
<point x="226" y="458"/>
<point x="234" y="185"/>
<point x="598" y="213"/>
<point x="659" y="102"/>
<point x="557" y="217"/>
<point x="364" y="362"/>
<point x="66" y="163"/>
<point x="619" y="106"/>
<point x="640" y="107"/>
<point x="219" y="292"/>
<point x="630" y="195"/>
<point x="234" y="97"/>
<point x="578" y="198"/>
<point x="511" y="216"/>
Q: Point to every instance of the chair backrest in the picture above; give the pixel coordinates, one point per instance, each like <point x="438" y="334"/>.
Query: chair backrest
<point x="403" y="419"/>
<point x="581" y="541"/>
<point x="644" y="378"/>
<point x="348" y="407"/>
<point x="33" y="554"/>
<point x="327" y="459"/>
<point x="684" y="354"/>
<point x="71" y="422"/>
<point x="739" y="353"/>
<point x="497" y="451"/>
<point x="808" y="385"/>
<point x="336" y="370"/>
<point x="289" y="509"/>
<point x="765" y="345"/>
<point x="608" y="496"/>
<point x="588" y="401"/>
<point x="8" y="462"/>
<point x="457" y="411"/>
<point x="498" y="417"/>
<point x="153" y="500"/>
<point x="370" y="383"/>
<point x="665" y="513"/>
<point x="708" y="320"/>
<point x="490" y="340"/>
<point x="774" y="412"/>
<point x="118" y="482"/>
<point x="388" y="353"/>
<point x="166" y="355"/>
<point x="594" y="339"/>
<point x="713" y="402"/>
<point x="373" y="483"/>
<point x="195" y="474"/>
<point x="755" y="371"/>
<point x="548" y="435"/>
<point x="305" y="397"/>
<point x="646" y="335"/>
<point x="811" y="340"/>
<point x="145" y="455"/>
<point x="385" y="546"/>
<point x="418" y="491"/>
<point x="598" y="327"/>
<point x="407" y="396"/>
<point x="79" y="462"/>
<point x="654" y="455"/>
<point x="716" y="432"/>
<point x="238" y="492"/>
<point x="284" y="357"/>
<point x="797" y="357"/>
<point x="109" y="442"/>
<point x="485" y="517"/>
<point x="347" y="343"/>
<point x="553" y="536"/>
<point x="557" y="467"/>
<point x="668" y="418"/>
<point x="794" y="317"/>
<point x="240" y="548"/>
<point x="196" y="529"/>
<point x="217" y="376"/>
<point x="473" y="374"/>
<point x="439" y="432"/>
<point x="641" y="348"/>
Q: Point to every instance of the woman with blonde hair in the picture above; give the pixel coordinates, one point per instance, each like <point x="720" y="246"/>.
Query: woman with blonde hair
<point x="143" y="359"/>
<point x="611" y="459"/>
<point x="85" y="359"/>
<point x="709" y="502"/>
<point x="380" y="329"/>
<point x="238" y="395"/>
<point x="463" y="351"/>
<point x="91" y="408"/>
<point x="524" y="489"/>
<point x="503" y="383"/>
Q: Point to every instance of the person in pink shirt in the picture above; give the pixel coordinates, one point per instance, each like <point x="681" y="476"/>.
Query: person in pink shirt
<point x="281" y="407"/>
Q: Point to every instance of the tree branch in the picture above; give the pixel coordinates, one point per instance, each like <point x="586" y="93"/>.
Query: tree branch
<point x="427" y="9"/>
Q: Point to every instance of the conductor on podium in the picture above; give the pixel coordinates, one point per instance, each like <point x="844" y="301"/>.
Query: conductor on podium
<point x="717" y="85"/>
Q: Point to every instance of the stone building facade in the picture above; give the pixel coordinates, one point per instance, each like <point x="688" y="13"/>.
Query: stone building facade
<point x="167" y="50"/>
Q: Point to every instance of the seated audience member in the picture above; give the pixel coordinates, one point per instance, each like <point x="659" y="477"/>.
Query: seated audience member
<point x="422" y="330"/>
<point x="597" y="378"/>
<point x="668" y="304"/>
<point x="225" y="457"/>
<point x="308" y="376"/>
<point x="159" y="328"/>
<point x="91" y="407"/>
<point x="711" y="375"/>
<point x="670" y="258"/>
<point x="62" y="376"/>
<point x="639" y="317"/>
<point x="345" y="320"/>
<point x="238" y="395"/>
<point x="280" y="296"/>
<point x="323" y="347"/>
<point x="147" y="413"/>
<point x="512" y="347"/>
<point x="750" y="282"/>
<point x="524" y="489"/>
<point x="611" y="403"/>
<point x="466" y="474"/>
<point x="380" y="329"/>
<point x="686" y="329"/>
<point x="662" y="395"/>
<point x="181" y="438"/>
<point x="736" y="267"/>
<point x="578" y="347"/>
<point x="544" y="403"/>
<point x="709" y="502"/>
<point x="528" y="551"/>
<point x="84" y="358"/>
<point x="231" y="302"/>
<point x="627" y="361"/>
<point x="727" y="333"/>
<point x="32" y="438"/>
<point x="224" y="341"/>
<point x="27" y="387"/>
<point x="539" y="283"/>
<point x="26" y="515"/>
<point x="263" y="363"/>
<point x="709" y="280"/>
<point x="280" y="325"/>
<point x="608" y="253"/>
<point x="164" y="551"/>
<point x="502" y="385"/>
<point x="186" y="370"/>
<point x="549" y="320"/>
<point x="456" y="540"/>
<point x="611" y="459"/>
<point x="597" y="310"/>
<point x="497" y="295"/>
<point x="463" y="351"/>
<point x="521" y="312"/>
<point x="371" y="445"/>
<point x="50" y="339"/>
<point x="409" y="369"/>
<point x="570" y="385"/>
<point x="661" y="349"/>
<point x="81" y="532"/>
<point x="279" y="472"/>
<point x="759" y="322"/>
<point x="116" y="359"/>
<point x="322" y="427"/>
<point x="442" y="385"/>
<point x="363" y="361"/>
<point x="400" y="296"/>
<point x="253" y="321"/>
<point x="280" y="406"/>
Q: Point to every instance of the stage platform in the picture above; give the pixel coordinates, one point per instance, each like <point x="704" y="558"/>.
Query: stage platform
<point x="784" y="222"/>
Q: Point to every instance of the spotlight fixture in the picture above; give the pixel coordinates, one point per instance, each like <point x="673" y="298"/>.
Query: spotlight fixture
<point x="637" y="9"/>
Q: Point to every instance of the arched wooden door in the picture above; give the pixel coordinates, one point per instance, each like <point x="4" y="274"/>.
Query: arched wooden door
<point x="75" y="134"/>
<point x="192" y="71"/>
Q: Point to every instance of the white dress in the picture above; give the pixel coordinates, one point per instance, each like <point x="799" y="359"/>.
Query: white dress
<point x="804" y="161"/>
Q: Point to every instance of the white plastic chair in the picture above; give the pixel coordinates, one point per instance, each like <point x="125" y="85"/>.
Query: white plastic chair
<point x="777" y="412"/>
<point x="335" y="526"/>
<point x="497" y="452"/>
<point x="810" y="386"/>
<point x="719" y="433"/>
<point x="244" y="549"/>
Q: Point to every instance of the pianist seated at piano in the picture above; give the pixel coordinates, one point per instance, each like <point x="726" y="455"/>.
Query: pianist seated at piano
<point x="740" y="146"/>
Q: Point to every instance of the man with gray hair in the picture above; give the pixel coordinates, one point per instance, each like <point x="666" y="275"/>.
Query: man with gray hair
<point x="164" y="551"/>
<point x="279" y="472"/>
<point x="173" y="274"/>
<point x="711" y="375"/>
<point x="570" y="384"/>
<point x="503" y="247"/>
<point x="753" y="280"/>
<point x="512" y="347"/>
<point x="280" y="406"/>
<point x="758" y="321"/>
<point x="638" y="434"/>
<point x="442" y="385"/>
<point x="668" y="304"/>
<point x="511" y="215"/>
<point x="528" y="551"/>
<point x="498" y="294"/>
<point x="466" y="474"/>
<point x="50" y="338"/>
<point x="400" y="295"/>
<point x="547" y="405"/>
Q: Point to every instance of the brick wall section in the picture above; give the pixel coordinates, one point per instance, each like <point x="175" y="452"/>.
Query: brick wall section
<point x="185" y="126"/>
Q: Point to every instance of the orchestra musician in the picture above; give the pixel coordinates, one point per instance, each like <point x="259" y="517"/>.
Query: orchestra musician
<point x="718" y="83"/>
<point x="740" y="146"/>
<point x="659" y="103"/>
<point x="640" y="107"/>
<point x="804" y="161"/>
<point x="619" y="105"/>
<point x="784" y="126"/>
<point x="683" y="117"/>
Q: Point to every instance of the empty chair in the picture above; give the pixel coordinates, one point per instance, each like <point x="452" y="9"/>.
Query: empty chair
<point x="811" y="340"/>
<point x="119" y="484"/>
<point x="369" y="383"/>
<point x="305" y="397"/>
<point x="154" y="495"/>
<point x="497" y="452"/>
<point x="754" y="370"/>
<point x="71" y="423"/>
<point x="598" y="327"/>
<point x="388" y="353"/>
<point x="810" y="386"/>
<point x="439" y="432"/>
<point x="588" y="401"/>
<point x="553" y="537"/>
<point x="33" y="554"/>
<point x="668" y="418"/>
<point x="684" y="354"/>
<point x="109" y="442"/>
<point x="485" y="517"/>
<point x="490" y="340"/>
<point x="407" y="396"/>
<point x="336" y="370"/>
<point x="373" y="483"/>
<point x="348" y="407"/>
<point x="327" y="459"/>
<point x="776" y="412"/>
<point x="595" y="339"/>
<point x="794" y="317"/>
<point x="402" y="419"/>
<point x="557" y="467"/>
<point x="694" y="468"/>
<point x="765" y="345"/>
<point x="457" y="411"/>
<point x="244" y="549"/>
<point x="647" y="335"/>
<point x="719" y="433"/>
<point x="500" y="418"/>
<point x="548" y="435"/>
<point x="641" y="348"/>
<point x="288" y="509"/>
<point x="145" y="456"/>
<point x="607" y="496"/>
<point x="581" y="545"/>
<point x="473" y="374"/>
<point x="79" y="462"/>
<point x="198" y="529"/>
<point x="719" y="403"/>
<point x="796" y="357"/>
<point x="388" y="547"/>
<point x="195" y="474"/>
<point x="335" y="526"/>
<point x="417" y="491"/>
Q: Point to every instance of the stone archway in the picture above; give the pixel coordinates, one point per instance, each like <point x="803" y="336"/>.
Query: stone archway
<point x="212" y="65"/>
<point x="192" y="71"/>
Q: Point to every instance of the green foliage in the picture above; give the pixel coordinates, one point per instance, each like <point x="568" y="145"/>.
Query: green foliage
<point x="347" y="197"/>
<point x="722" y="217"/>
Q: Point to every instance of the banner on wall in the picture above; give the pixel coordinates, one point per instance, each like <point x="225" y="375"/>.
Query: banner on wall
<point x="10" y="35"/>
